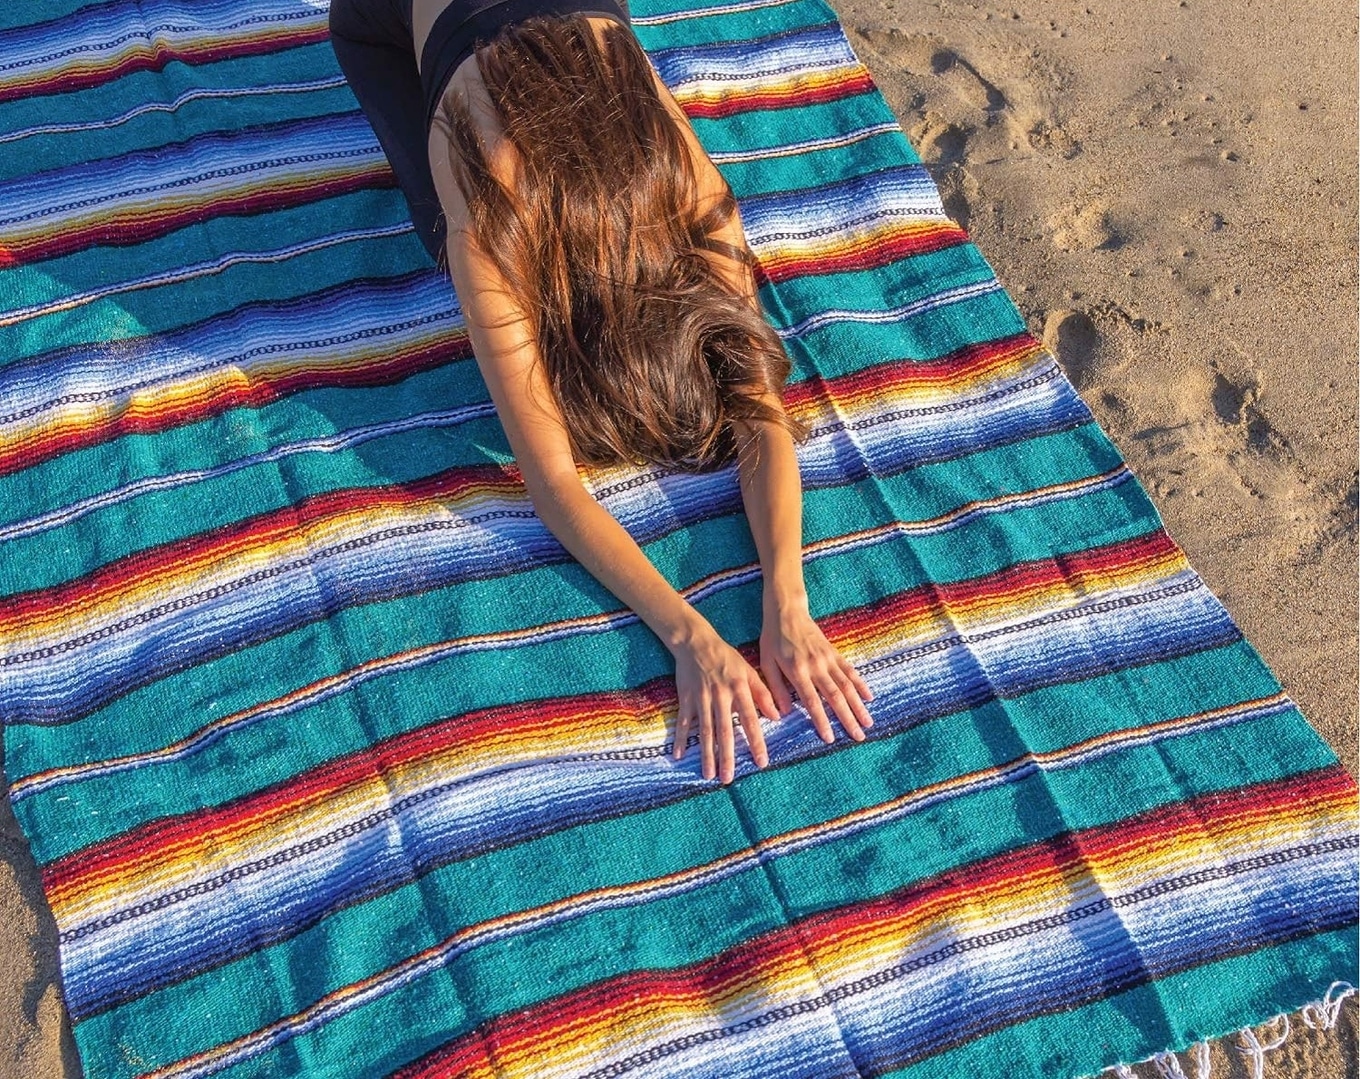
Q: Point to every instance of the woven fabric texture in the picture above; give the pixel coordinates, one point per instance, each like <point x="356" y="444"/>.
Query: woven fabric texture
<point x="337" y="764"/>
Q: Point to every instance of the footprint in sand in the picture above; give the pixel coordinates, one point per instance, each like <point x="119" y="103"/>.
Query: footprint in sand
<point x="941" y="77"/>
<point x="924" y="55"/>
<point x="1085" y="226"/>
<point x="959" y="192"/>
<point x="1042" y="135"/>
<point x="939" y="140"/>
<point x="1075" y="341"/>
<point x="1313" y="515"/>
<point x="1338" y="509"/>
<point x="1235" y="403"/>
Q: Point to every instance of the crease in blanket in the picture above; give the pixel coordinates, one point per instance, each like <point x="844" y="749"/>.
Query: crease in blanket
<point x="335" y="762"/>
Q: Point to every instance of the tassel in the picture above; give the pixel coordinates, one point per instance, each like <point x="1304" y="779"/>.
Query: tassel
<point x="1327" y="1010"/>
<point x="1201" y="1051"/>
<point x="1252" y="1049"/>
<point x="1168" y="1067"/>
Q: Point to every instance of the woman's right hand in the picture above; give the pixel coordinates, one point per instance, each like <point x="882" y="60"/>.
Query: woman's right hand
<point x="712" y="681"/>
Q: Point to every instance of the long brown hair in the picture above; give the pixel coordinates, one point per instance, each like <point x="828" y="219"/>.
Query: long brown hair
<point x="648" y="351"/>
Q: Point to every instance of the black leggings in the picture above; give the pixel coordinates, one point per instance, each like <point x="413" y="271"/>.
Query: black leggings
<point x="373" y="42"/>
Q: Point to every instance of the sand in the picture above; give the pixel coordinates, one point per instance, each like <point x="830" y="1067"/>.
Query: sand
<point x="1168" y="191"/>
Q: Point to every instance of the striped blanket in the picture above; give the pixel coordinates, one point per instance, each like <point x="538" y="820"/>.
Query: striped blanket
<point x="337" y="764"/>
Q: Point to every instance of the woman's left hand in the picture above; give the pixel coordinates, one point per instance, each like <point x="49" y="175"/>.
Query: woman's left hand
<point x="793" y="648"/>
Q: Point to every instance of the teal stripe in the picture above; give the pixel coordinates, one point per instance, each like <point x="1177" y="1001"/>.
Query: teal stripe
<point x="843" y="346"/>
<point x="1056" y="716"/>
<point x="24" y="16"/>
<point x="808" y="168"/>
<point x="908" y="280"/>
<point x="720" y="28"/>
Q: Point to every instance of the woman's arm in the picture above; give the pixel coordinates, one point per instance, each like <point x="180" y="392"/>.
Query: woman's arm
<point x="537" y="435"/>
<point x="792" y="646"/>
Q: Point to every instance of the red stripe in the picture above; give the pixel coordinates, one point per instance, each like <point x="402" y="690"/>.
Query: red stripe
<point x="80" y="869"/>
<point x="870" y="256"/>
<point x="1066" y="856"/>
<point x="266" y="387"/>
<point x="859" y="83"/>
<point x="158" y="840"/>
<point x="969" y="364"/>
<point x="61" y="82"/>
<point x="135" y="226"/>
<point x="1023" y="577"/>
<point x="271" y="526"/>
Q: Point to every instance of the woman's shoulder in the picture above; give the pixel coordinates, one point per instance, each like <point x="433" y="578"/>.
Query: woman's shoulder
<point x="465" y="86"/>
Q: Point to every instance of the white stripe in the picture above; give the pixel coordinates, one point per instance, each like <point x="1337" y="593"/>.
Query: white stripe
<point x="699" y="13"/>
<point x="789" y="149"/>
<point x="892" y="314"/>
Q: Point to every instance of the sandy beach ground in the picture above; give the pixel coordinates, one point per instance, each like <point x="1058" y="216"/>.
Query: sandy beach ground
<point x="1168" y="191"/>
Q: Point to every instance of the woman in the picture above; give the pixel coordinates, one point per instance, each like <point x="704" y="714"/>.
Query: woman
<point x="606" y="283"/>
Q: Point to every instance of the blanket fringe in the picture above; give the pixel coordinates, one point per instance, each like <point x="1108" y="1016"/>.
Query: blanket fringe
<point x="1318" y="1015"/>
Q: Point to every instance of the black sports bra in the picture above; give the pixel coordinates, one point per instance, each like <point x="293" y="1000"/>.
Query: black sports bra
<point x="456" y="32"/>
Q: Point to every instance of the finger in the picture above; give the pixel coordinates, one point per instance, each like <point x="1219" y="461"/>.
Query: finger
<point x="835" y="696"/>
<point x="761" y="695"/>
<point x="750" y="725"/>
<point x="861" y="686"/>
<point x="705" y="720"/>
<point x="779" y="690"/>
<point x="682" y="727"/>
<point x="812" y="703"/>
<point x="726" y="738"/>
<point x="856" y="692"/>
